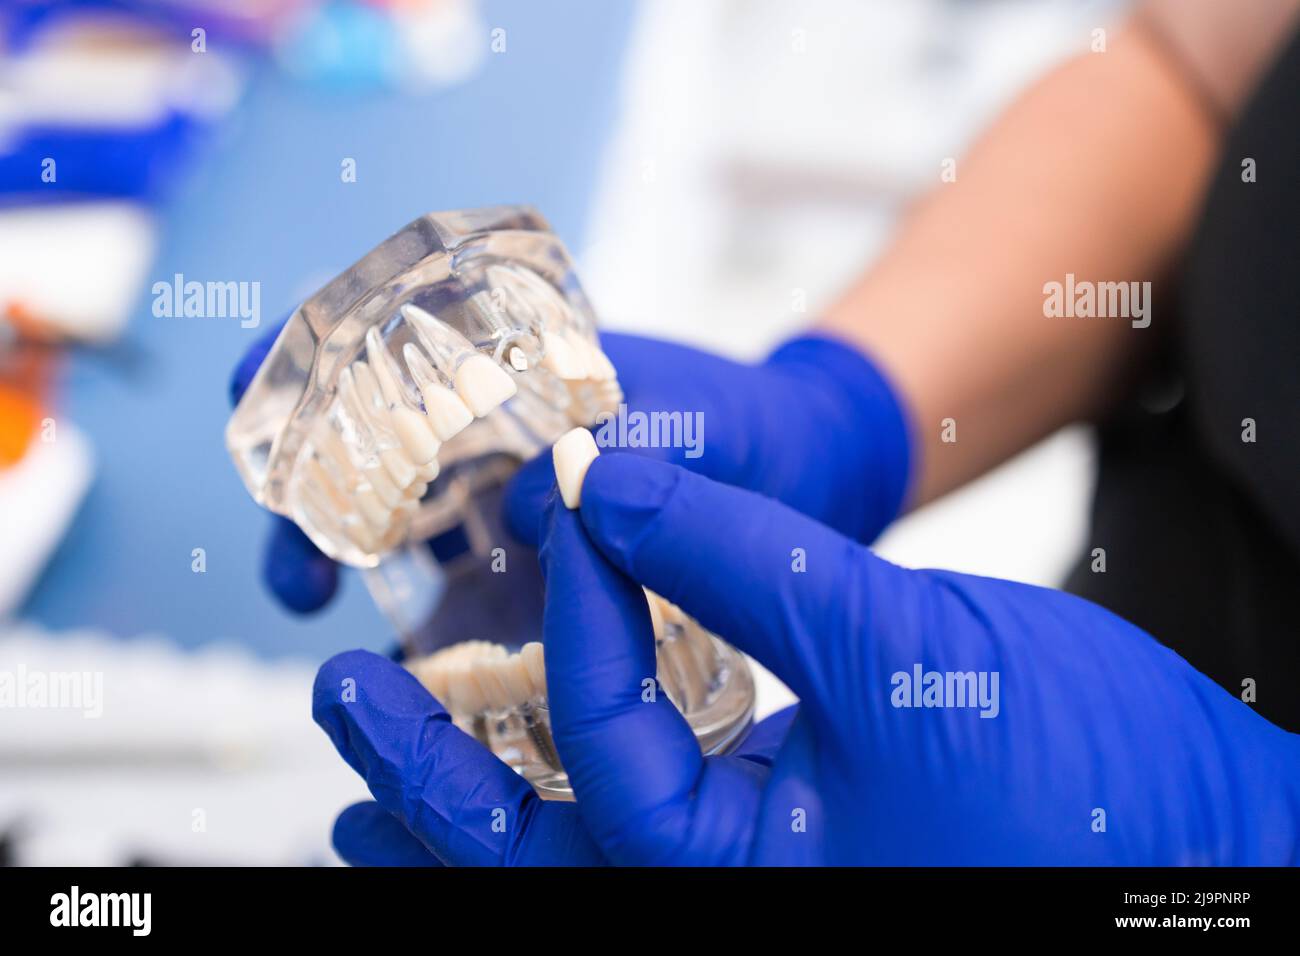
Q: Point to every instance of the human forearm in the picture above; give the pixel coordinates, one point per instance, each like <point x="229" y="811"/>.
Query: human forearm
<point x="1095" y="172"/>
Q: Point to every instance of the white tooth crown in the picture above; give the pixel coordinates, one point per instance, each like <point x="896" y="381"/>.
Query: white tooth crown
<point x="573" y="455"/>
<point x="461" y="339"/>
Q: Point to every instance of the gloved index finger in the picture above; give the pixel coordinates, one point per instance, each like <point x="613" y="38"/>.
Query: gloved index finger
<point x="632" y="759"/>
<point x="755" y="572"/>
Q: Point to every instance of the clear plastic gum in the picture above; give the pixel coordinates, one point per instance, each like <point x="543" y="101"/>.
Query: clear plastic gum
<point x="385" y="422"/>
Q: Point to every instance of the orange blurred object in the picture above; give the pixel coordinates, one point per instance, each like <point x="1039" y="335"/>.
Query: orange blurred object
<point x="25" y="374"/>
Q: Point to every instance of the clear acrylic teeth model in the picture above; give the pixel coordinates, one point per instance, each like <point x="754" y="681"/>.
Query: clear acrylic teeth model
<point x="386" y="420"/>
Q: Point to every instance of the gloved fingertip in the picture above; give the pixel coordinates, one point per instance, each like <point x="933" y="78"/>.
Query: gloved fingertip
<point x="295" y="570"/>
<point x="365" y="834"/>
<point x="622" y="494"/>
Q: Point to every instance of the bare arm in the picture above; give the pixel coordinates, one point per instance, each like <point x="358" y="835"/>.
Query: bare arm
<point x="1097" y="171"/>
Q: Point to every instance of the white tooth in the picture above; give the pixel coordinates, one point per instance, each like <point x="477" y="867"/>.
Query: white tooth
<point x="415" y="434"/>
<point x="482" y="384"/>
<point x="416" y="491"/>
<point x="656" y="613"/>
<point x="427" y="473"/>
<point x="433" y="677"/>
<point x="447" y="414"/>
<point x="383" y="486"/>
<point x="328" y="486"/>
<point x="466" y="697"/>
<point x="321" y="517"/>
<point x="514" y="674"/>
<point x="534" y="662"/>
<point x="601" y="368"/>
<point x="331" y="445"/>
<point x="398" y="466"/>
<point x="322" y="497"/>
<point x="573" y="455"/>
<point x="359" y="498"/>
<point x="410" y="428"/>
<point x="562" y="358"/>
<point x="372" y="509"/>
<point x="489" y="677"/>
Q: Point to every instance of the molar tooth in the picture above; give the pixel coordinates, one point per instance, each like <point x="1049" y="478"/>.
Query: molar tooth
<point x="482" y="384"/>
<point x="447" y="414"/>
<point x="433" y="677"/>
<point x="534" y="663"/>
<point x="562" y="358"/>
<point x="514" y="674"/>
<point x="332" y="449"/>
<point x="488" y="675"/>
<point x="573" y="455"/>
<point x="372" y="509"/>
<point x="466" y="697"/>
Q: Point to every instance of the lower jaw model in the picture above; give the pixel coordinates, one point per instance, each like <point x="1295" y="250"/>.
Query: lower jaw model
<point x="386" y="420"/>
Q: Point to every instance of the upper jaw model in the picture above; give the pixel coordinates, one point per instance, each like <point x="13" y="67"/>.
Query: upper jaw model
<point x="388" y="415"/>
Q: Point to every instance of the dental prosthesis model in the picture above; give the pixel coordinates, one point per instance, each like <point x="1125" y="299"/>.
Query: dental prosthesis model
<point x="387" y="418"/>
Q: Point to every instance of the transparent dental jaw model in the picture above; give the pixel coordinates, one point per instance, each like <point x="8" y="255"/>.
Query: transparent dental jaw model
<point x="386" y="420"/>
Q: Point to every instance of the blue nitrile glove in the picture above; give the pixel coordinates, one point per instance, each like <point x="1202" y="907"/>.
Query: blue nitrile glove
<point x="1099" y="745"/>
<point x="816" y="426"/>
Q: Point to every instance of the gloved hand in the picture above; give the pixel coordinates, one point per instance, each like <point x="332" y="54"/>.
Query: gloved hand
<point x="814" y="400"/>
<point x="1095" y="745"/>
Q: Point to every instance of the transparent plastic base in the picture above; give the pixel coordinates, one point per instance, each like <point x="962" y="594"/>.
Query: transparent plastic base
<point x="385" y="421"/>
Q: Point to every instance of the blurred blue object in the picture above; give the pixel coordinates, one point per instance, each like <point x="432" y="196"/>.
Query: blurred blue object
<point x="269" y="205"/>
<point x="25" y="19"/>
<point x="121" y="163"/>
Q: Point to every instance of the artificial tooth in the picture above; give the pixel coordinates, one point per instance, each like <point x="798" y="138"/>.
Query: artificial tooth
<point x="427" y="473"/>
<point x="447" y="414"/>
<point x="482" y="384"/>
<point x="416" y="435"/>
<point x="573" y="455"/>
<point x="466" y="695"/>
<point x="489" y="678"/>
<point x="534" y="662"/>
<point x="514" y="674"/>
<point x="400" y="468"/>
<point x="383" y="486"/>
<point x="656" y="613"/>
<point x="372" y="509"/>
<point x="601" y="368"/>
<point x="562" y="358"/>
